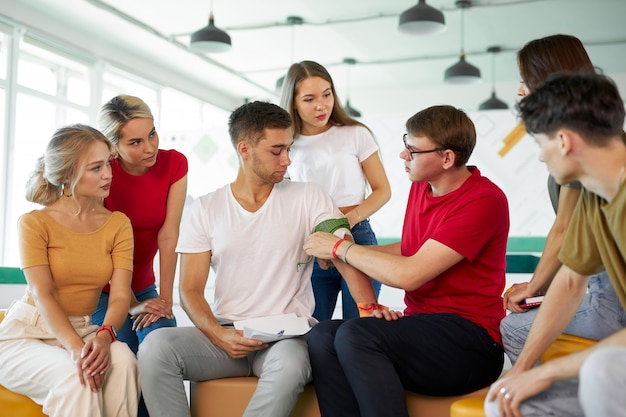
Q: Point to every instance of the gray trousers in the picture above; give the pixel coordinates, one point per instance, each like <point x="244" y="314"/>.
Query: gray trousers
<point x="169" y="356"/>
<point x="599" y="315"/>
<point x="599" y="392"/>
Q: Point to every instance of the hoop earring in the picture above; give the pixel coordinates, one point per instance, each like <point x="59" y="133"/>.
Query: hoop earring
<point x="63" y="188"/>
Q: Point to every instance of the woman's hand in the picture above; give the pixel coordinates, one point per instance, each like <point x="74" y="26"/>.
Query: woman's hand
<point x="149" y="311"/>
<point x="93" y="361"/>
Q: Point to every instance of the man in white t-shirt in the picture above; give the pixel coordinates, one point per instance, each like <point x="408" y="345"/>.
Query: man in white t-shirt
<point x="252" y="233"/>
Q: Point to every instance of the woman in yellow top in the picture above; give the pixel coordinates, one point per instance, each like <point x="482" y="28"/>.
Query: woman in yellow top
<point x="70" y="249"/>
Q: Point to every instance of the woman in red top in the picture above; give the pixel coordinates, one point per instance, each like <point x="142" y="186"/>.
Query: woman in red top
<point x="149" y="186"/>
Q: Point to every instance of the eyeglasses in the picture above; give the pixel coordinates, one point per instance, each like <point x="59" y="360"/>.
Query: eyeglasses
<point x="410" y="152"/>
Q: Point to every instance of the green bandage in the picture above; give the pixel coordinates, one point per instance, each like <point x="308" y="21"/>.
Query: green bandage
<point x="328" y="226"/>
<point x="332" y="225"/>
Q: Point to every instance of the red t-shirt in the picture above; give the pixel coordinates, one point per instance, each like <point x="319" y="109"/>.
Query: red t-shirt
<point x="143" y="198"/>
<point x="474" y="221"/>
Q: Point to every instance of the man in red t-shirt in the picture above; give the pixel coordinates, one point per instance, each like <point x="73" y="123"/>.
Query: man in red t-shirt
<point x="450" y="262"/>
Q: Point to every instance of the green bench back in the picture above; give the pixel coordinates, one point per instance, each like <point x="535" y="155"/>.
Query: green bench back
<point x="11" y="275"/>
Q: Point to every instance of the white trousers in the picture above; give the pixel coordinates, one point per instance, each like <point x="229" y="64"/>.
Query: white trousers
<point x="33" y="363"/>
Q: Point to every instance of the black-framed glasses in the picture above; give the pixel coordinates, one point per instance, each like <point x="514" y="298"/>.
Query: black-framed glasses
<point x="410" y="152"/>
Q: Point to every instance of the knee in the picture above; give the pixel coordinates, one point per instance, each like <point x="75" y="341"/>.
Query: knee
<point x="160" y="323"/>
<point x="123" y="357"/>
<point x="597" y="369"/>
<point x="491" y="407"/>
<point x="285" y="364"/>
<point x="156" y="351"/>
<point x="514" y="321"/>
<point x="352" y="337"/>
<point x="321" y="339"/>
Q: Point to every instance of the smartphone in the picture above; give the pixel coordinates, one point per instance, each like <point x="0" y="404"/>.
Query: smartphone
<point x="531" y="302"/>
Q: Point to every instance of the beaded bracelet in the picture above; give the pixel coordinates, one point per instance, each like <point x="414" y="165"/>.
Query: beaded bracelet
<point x="345" y="252"/>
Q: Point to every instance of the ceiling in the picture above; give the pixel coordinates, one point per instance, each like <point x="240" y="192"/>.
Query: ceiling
<point x="394" y="72"/>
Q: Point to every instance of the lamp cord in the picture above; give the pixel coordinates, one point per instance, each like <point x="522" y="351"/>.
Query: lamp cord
<point x="462" y="30"/>
<point x="493" y="72"/>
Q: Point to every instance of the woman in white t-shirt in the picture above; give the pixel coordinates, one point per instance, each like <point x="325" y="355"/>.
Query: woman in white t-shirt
<point x="340" y="154"/>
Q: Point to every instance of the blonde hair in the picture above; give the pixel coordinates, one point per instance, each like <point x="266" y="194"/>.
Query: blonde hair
<point x="59" y="167"/>
<point x="115" y="113"/>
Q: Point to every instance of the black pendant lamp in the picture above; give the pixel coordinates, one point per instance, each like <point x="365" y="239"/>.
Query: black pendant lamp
<point x="210" y="39"/>
<point x="493" y="102"/>
<point x="422" y="19"/>
<point x="352" y="112"/>
<point x="462" y="72"/>
<point x="291" y="21"/>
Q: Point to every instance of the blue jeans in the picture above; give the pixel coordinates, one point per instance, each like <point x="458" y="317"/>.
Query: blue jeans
<point x="327" y="283"/>
<point x="599" y="315"/>
<point x="126" y="333"/>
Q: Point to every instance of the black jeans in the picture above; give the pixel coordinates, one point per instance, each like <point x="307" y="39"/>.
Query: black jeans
<point x="361" y="367"/>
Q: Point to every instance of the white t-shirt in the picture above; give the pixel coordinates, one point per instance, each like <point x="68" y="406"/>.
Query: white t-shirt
<point x="333" y="160"/>
<point x="254" y="255"/>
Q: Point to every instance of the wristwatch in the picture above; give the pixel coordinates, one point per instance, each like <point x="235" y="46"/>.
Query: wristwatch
<point x="109" y="329"/>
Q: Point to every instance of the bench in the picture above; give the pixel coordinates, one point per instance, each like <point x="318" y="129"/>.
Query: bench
<point x="563" y="345"/>
<point x="13" y="404"/>
<point x="229" y="397"/>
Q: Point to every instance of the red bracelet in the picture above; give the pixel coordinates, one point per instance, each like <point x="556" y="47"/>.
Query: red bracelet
<point x="334" y="252"/>
<point x="366" y="309"/>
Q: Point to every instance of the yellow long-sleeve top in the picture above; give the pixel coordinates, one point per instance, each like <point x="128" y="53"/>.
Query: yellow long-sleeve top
<point x="81" y="263"/>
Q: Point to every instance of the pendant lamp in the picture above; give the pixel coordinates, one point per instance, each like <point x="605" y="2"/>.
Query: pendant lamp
<point x="352" y="112"/>
<point x="210" y="38"/>
<point x="422" y="19"/>
<point x="292" y="21"/>
<point x="462" y="72"/>
<point x="493" y="102"/>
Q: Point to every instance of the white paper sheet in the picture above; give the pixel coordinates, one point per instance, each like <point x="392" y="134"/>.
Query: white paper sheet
<point x="272" y="328"/>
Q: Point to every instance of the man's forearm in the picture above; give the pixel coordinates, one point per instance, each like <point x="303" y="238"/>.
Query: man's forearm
<point x="359" y="284"/>
<point x="556" y="312"/>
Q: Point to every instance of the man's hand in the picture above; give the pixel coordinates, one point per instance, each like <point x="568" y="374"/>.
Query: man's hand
<point x="320" y="245"/>
<point x="510" y="392"/>
<point x="237" y="346"/>
<point x="388" y="315"/>
<point x="514" y="296"/>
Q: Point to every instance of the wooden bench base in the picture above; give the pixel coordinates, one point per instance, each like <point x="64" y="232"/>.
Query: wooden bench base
<point x="229" y="397"/>
<point x="563" y="345"/>
<point x="13" y="404"/>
